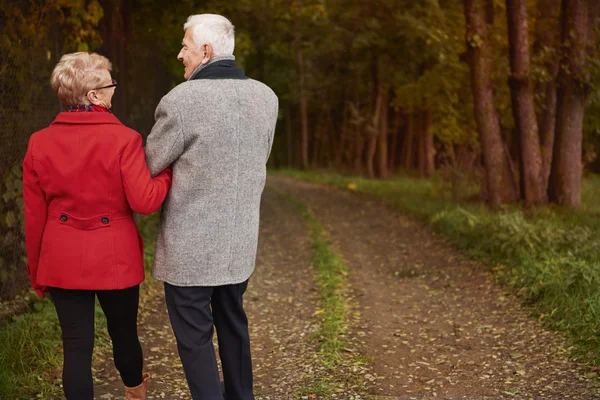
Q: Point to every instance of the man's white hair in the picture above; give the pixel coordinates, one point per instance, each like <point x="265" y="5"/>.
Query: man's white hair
<point x="212" y="29"/>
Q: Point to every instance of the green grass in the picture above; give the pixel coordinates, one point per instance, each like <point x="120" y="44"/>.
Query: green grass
<point x="31" y="345"/>
<point x="331" y="279"/>
<point x="550" y="256"/>
<point x="31" y="353"/>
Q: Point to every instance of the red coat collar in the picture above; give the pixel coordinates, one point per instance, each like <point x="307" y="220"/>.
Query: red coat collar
<point x="86" y="118"/>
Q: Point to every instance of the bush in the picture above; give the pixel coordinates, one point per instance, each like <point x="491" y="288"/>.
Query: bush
<point x="13" y="271"/>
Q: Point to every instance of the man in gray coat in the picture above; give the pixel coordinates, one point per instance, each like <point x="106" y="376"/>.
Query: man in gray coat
<point x="216" y="131"/>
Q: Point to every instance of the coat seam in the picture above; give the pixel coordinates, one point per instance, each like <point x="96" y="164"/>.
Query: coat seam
<point x="237" y="188"/>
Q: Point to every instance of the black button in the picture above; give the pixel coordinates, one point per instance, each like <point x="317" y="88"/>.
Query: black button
<point x="63" y="218"/>
<point x="105" y="220"/>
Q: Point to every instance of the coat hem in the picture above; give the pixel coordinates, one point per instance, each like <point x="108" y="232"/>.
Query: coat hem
<point x="173" y="282"/>
<point x="84" y="287"/>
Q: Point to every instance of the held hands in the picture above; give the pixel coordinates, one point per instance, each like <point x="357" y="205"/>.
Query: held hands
<point x="169" y="172"/>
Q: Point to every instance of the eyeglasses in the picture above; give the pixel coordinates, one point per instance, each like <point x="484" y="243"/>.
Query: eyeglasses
<point x="114" y="84"/>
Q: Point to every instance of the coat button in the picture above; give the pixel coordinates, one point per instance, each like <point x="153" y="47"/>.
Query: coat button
<point x="63" y="218"/>
<point x="105" y="220"/>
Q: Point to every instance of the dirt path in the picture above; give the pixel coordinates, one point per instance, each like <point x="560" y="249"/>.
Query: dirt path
<point x="281" y="301"/>
<point x="433" y="323"/>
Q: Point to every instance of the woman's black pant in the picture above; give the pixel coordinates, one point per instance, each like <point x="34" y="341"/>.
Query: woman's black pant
<point x="75" y="309"/>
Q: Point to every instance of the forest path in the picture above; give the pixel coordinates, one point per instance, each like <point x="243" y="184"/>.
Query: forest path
<point x="281" y="301"/>
<point x="431" y="323"/>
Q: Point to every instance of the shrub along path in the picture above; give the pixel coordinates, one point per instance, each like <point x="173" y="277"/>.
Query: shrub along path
<point x="431" y="324"/>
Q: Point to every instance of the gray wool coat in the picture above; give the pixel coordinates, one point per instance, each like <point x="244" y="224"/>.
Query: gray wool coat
<point x="217" y="136"/>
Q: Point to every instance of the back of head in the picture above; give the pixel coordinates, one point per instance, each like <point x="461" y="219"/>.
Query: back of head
<point x="212" y="29"/>
<point x="76" y="74"/>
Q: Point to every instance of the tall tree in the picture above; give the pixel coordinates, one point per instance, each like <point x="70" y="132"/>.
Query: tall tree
<point x="546" y="48"/>
<point x="532" y="188"/>
<point x="565" y="179"/>
<point x="301" y="92"/>
<point x="488" y="124"/>
<point x="113" y="28"/>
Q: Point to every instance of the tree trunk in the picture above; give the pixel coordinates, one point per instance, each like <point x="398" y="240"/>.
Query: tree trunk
<point x="316" y="145"/>
<point x="428" y="149"/>
<point x="289" y="137"/>
<point x="374" y="130"/>
<point x="565" y="179"/>
<point x="302" y="96"/>
<point x="488" y="124"/>
<point x="382" y="139"/>
<point x="523" y="104"/>
<point x="546" y="46"/>
<point x="340" y="149"/>
<point x="358" y="151"/>
<point x="114" y="35"/>
<point x="408" y="146"/>
<point x="394" y="141"/>
<point x="371" y="147"/>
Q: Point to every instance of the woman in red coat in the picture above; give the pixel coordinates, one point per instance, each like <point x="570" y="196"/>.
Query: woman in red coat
<point x="83" y="177"/>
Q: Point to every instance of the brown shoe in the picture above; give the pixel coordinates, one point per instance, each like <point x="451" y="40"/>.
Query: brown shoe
<point x="138" y="392"/>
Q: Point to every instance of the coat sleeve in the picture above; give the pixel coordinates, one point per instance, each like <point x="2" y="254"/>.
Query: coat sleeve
<point x="144" y="193"/>
<point x="272" y="132"/>
<point x="36" y="212"/>
<point x="166" y="141"/>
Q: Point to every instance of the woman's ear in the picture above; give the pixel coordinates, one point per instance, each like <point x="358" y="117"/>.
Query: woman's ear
<point x="92" y="97"/>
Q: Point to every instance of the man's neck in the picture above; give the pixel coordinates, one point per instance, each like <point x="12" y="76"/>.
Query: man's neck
<point x="211" y="61"/>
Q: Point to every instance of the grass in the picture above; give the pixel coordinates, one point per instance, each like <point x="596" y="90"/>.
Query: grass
<point x="31" y="345"/>
<point x="31" y="353"/>
<point x="550" y="256"/>
<point x="331" y="279"/>
<point x="332" y="282"/>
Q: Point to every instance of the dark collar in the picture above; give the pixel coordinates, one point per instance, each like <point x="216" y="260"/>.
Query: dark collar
<point x="223" y="69"/>
<point x="66" y="117"/>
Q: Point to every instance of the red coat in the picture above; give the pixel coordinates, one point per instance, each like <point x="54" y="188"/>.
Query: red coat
<point x="82" y="178"/>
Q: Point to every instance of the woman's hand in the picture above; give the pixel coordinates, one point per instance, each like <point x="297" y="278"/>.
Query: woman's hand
<point x="32" y="279"/>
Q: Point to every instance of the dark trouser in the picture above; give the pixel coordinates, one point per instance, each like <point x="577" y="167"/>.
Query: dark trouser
<point x="192" y="321"/>
<point x="75" y="309"/>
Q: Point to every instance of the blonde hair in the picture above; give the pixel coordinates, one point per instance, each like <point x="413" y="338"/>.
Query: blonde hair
<point x="76" y="74"/>
<point x="212" y="29"/>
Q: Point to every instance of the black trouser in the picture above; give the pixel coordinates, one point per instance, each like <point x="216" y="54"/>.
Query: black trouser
<point x="75" y="309"/>
<point x="192" y="320"/>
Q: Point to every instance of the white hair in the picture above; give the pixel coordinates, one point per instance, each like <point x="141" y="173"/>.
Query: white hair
<point x="212" y="29"/>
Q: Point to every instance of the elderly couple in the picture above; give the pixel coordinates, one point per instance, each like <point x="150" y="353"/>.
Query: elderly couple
<point x="85" y="175"/>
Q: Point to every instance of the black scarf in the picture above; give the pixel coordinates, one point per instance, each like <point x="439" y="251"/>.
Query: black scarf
<point x="223" y="69"/>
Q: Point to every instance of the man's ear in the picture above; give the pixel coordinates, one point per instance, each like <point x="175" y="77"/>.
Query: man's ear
<point x="207" y="52"/>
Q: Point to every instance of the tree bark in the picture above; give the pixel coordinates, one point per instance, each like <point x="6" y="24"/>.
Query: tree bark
<point x="428" y="150"/>
<point x="382" y="140"/>
<point x="523" y="103"/>
<point x="565" y="179"/>
<point x="394" y="141"/>
<point x="358" y="152"/>
<point x="546" y="45"/>
<point x="289" y="137"/>
<point x="408" y="145"/>
<point x="302" y="96"/>
<point x="113" y="30"/>
<point x="488" y="124"/>
<point x="371" y="147"/>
